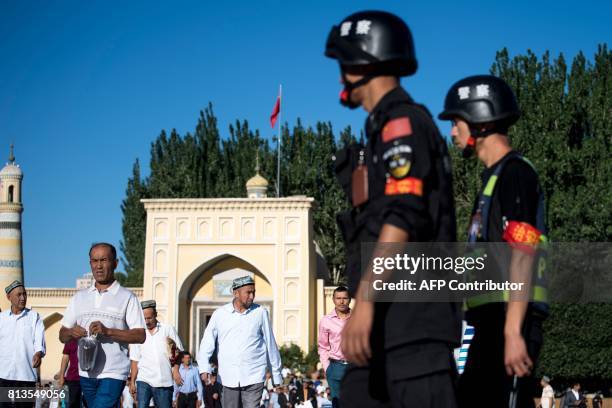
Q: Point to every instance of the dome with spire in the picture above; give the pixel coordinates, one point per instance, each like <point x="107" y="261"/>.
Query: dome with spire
<point x="11" y="169"/>
<point x="257" y="181"/>
<point x="257" y="186"/>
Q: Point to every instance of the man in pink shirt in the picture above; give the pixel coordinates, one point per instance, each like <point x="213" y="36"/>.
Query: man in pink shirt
<point x="330" y="337"/>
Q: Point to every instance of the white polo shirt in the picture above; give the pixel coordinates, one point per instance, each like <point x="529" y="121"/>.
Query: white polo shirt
<point x="117" y="308"/>
<point x="152" y="356"/>
<point x="21" y="336"/>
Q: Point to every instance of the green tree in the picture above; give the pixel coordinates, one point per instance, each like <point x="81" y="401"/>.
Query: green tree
<point x="565" y="132"/>
<point x="292" y="356"/>
<point x="210" y="159"/>
<point x="174" y="167"/>
<point x="134" y="229"/>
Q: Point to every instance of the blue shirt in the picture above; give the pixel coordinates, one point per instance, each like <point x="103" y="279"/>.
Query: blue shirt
<point x="246" y="344"/>
<point x="274" y="400"/>
<point x="191" y="382"/>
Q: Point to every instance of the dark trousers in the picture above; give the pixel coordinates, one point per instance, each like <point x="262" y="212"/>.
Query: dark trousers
<point x="162" y="396"/>
<point x="484" y="379"/>
<point x="15" y="385"/>
<point x="416" y="375"/>
<point x="74" y="394"/>
<point x="187" y="400"/>
<point x="245" y="396"/>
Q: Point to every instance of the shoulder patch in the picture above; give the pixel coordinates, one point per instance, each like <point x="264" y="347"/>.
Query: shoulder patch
<point x="398" y="160"/>
<point x="396" y="128"/>
<point x="409" y="185"/>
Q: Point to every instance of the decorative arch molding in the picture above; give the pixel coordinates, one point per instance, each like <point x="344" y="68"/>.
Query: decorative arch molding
<point x="203" y="273"/>
<point x="160" y="293"/>
<point x="160" y="261"/>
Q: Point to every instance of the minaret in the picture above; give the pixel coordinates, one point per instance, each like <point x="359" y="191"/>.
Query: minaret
<point x="11" y="254"/>
<point x="257" y="186"/>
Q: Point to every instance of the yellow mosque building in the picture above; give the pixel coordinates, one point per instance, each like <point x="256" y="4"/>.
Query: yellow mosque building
<point x="194" y="248"/>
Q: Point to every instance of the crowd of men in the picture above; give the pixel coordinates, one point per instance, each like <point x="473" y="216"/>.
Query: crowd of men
<point x="375" y="354"/>
<point x="134" y="358"/>
<point x="116" y="351"/>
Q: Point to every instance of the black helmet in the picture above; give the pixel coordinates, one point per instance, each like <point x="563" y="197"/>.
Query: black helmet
<point x="481" y="99"/>
<point x="378" y="40"/>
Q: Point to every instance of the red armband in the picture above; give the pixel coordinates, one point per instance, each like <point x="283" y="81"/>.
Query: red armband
<point x="522" y="235"/>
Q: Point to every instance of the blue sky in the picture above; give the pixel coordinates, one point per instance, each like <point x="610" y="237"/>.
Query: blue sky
<point x="86" y="86"/>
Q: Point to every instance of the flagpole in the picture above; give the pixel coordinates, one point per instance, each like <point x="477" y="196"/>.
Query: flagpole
<point x="280" y="135"/>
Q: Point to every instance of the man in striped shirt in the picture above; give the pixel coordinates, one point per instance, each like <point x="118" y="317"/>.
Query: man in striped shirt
<point x="330" y="337"/>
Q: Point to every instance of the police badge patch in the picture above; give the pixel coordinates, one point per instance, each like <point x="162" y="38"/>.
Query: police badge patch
<point x="398" y="160"/>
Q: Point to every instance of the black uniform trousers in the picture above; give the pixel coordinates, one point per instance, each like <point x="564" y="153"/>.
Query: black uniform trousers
<point x="419" y="375"/>
<point x="434" y="390"/>
<point x="484" y="382"/>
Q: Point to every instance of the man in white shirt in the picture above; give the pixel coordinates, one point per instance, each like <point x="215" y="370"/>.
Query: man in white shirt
<point x="285" y="372"/>
<point x="113" y="315"/>
<point x="246" y="344"/>
<point x="548" y="394"/>
<point x="152" y="372"/>
<point x="22" y="340"/>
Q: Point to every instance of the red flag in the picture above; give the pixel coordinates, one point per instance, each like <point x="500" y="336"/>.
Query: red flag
<point x="275" y="111"/>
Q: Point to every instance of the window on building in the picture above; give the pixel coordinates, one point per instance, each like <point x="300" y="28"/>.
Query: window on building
<point x="10" y="194"/>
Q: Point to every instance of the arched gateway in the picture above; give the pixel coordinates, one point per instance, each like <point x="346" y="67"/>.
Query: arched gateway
<point x="195" y="247"/>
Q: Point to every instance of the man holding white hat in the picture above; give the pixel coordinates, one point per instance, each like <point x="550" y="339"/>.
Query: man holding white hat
<point x="245" y="345"/>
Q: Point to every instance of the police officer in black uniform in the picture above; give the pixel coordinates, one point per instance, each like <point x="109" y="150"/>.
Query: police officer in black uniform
<point x="509" y="208"/>
<point x="400" y="188"/>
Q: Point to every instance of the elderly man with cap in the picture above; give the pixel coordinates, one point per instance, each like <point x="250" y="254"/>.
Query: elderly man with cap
<point x="153" y="365"/>
<point x="245" y="346"/>
<point x="22" y="341"/>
